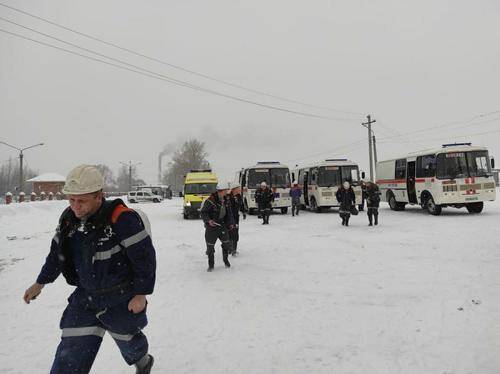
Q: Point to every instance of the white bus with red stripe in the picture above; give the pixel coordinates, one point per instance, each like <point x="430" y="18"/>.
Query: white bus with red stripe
<point x="456" y="175"/>
<point x="277" y="177"/>
<point x="320" y="182"/>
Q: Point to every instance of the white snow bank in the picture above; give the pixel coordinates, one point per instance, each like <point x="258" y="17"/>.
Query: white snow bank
<point x="418" y="294"/>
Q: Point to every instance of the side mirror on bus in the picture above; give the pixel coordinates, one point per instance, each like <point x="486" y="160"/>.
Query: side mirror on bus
<point x="181" y="194"/>
<point x="492" y="163"/>
<point x="363" y="175"/>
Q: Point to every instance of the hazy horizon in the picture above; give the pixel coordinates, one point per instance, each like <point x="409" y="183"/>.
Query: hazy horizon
<point x="429" y="71"/>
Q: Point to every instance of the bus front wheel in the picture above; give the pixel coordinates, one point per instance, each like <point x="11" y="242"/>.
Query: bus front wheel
<point x="432" y="207"/>
<point x="475" y="208"/>
<point x="314" y="206"/>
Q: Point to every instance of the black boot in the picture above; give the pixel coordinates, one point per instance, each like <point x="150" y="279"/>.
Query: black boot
<point x="370" y="220"/>
<point x="144" y="365"/>
<point x="376" y="219"/>
<point x="347" y="221"/>
<point x="211" y="262"/>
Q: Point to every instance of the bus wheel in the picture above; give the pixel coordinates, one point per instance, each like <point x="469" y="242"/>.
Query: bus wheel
<point x="251" y="211"/>
<point x="393" y="204"/>
<point x="185" y="215"/>
<point x="314" y="206"/>
<point x="432" y="208"/>
<point x="284" y="210"/>
<point x="475" y="208"/>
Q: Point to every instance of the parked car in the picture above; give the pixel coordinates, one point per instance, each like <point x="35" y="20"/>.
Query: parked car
<point x="142" y="196"/>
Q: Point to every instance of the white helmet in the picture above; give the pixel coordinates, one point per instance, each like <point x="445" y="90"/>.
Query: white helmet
<point x="263" y="184"/>
<point x="295" y="183"/>
<point x="82" y="180"/>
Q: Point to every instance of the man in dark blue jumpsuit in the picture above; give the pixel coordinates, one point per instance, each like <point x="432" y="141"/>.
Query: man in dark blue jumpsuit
<point x="105" y="250"/>
<point x="218" y="222"/>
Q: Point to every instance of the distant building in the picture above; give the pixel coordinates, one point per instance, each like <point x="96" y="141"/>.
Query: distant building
<point x="48" y="182"/>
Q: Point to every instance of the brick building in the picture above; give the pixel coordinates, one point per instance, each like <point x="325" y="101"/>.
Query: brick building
<point x="48" y="182"/>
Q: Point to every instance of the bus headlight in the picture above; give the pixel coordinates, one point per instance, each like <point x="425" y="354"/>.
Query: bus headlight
<point x="188" y="203"/>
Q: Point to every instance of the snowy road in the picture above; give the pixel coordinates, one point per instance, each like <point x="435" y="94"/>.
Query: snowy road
<point x="418" y="294"/>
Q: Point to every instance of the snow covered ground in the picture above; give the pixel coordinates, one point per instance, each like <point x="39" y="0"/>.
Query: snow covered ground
<point x="418" y="294"/>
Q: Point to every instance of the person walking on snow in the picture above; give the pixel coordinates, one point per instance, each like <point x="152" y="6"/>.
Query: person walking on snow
<point x="218" y="222"/>
<point x="295" y="194"/>
<point x="372" y="194"/>
<point x="346" y="198"/>
<point x="105" y="250"/>
<point x="264" y="198"/>
<point x="236" y="205"/>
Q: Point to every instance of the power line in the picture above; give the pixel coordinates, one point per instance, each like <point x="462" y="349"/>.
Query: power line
<point x="326" y="151"/>
<point x="463" y="123"/>
<point x="155" y="75"/>
<point x="178" y="67"/>
<point x="460" y="136"/>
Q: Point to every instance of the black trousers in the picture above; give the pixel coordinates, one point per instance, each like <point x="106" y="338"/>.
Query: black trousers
<point x="211" y="236"/>
<point x="372" y="213"/>
<point x="234" y="236"/>
<point x="295" y="208"/>
<point x="265" y="213"/>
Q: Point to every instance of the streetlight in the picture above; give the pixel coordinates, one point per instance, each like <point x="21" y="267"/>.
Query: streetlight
<point x="130" y="165"/>
<point x="21" y="156"/>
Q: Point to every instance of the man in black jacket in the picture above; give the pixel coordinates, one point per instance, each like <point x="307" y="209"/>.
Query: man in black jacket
<point x="218" y="221"/>
<point x="235" y="205"/>
<point x="264" y="198"/>
<point x="372" y="194"/>
<point x="347" y="199"/>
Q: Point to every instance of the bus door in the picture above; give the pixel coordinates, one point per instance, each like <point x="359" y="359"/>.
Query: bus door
<point x="410" y="183"/>
<point x="305" y="189"/>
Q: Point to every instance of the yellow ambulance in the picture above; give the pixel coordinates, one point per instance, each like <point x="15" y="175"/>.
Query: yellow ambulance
<point x="198" y="185"/>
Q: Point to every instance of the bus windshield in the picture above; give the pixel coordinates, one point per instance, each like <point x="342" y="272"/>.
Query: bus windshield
<point x="274" y="177"/>
<point x="200" y="188"/>
<point x="350" y="174"/>
<point x="478" y="163"/>
<point x="463" y="165"/>
<point x="329" y="176"/>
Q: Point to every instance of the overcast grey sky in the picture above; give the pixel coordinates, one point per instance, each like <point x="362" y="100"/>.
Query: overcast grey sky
<point x="413" y="65"/>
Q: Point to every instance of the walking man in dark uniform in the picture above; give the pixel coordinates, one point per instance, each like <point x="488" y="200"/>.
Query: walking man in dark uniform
<point x="295" y="194"/>
<point x="347" y="199"/>
<point x="105" y="250"/>
<point x="218" y="221"/>
<point x="264" y="198"/>
<point x="372" y="202"/>
<point x="236" y="205"/>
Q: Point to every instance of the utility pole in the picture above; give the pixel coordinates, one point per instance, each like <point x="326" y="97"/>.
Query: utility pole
<point x="21" y="157"/>
<point x="368" y="125"/>
<point x="130" y="166"/>
<point x="374" y="150"/>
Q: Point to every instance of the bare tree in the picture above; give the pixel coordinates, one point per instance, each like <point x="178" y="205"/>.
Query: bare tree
<point x="109" y="179"/>
<point x="190" y="156"/>
<point x="9" y="176"/>
<point x="124" y="180"/>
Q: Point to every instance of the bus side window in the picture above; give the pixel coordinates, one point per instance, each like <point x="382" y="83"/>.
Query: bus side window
<point x="400" y="171"/>
<point x="426" y="166"/>
<point x="313" y="176"/>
